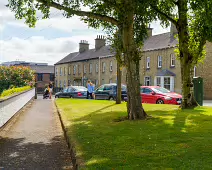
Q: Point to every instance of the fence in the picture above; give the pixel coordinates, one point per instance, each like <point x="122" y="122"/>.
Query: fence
<point x="9" y="107"/>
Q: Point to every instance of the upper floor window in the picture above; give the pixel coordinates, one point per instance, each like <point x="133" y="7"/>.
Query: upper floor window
<point x="79" y="69"/>
<point x="69" y="70"/>
<point x="159" y="61"/>
<point x="111" y="65"/>
<point x="51" y="77"/>
<point x="61" y="71"/>
<point x="56" y="71"/>
<point x="64" y="71"/>
<point x="74" y="69"/>
<point x="97" y="67"/>
<point x="103" y="67"/>
<point x="172" y="58"/>
<point x="148" y="62"/>
<point x="90" y="68"/>
<point x="39" y="77"/>
<point x="84" y="68"/>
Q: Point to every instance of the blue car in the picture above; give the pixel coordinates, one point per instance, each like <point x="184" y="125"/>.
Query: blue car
<point x="109" y="92"/>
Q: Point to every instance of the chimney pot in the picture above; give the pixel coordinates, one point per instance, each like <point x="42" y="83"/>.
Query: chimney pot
<point x="99" y="42"/>
<point x="83" y="46"/>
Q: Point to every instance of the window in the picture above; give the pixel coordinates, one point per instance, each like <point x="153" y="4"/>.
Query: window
<point x="158" y="81"/>
<point x="103" y="67"/>
<point x="69" y="70"/>
<point x="64" y="71"/>
<point x="110" y="81"/>
<point x="64" y="84"/>
<point x="60" y="83"/>
<point x="79" y="69"/>
<point x="90" y="68"/>
<point x="111" y="65"/>
<point x="96" y="82"/>
<point x="195" y="71"/>
<point x="108" y="87"/>
<point x="56" y="83"/>
<point x="147" y="81"/>
<point x="84" y="68"/>
<point x="61" y="71"/>
<point x="39" y="77"/>
<point x="74" y="83"/>
<point x="69" y="82"/>
<point x="167" y="83"/>
<point x="100" y="88"/>
<point x="148" y="62"/>
<point x="74" y="69"/>
<point x="172" y="58"/>
<point x="146" y="90"/>
<point x="56" y="71"/>
<point x="159" y="61"/>
<point x="51" y="77"/>
<point x="97" y="67"/>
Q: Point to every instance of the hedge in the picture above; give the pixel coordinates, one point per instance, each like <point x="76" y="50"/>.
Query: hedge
<point x="13" y="91"/>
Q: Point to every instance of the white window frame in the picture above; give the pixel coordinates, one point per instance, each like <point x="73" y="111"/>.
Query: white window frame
<point x="97" y="67"/>
<point x="61" y="71"/>
<point x="147" y="79"/>
<point x="60" y="83"/>
<point x="148" y="62"/>
<point x="172" y="60"/>
<point x="90" y="68"/>
<point x="162" y="82"/>
<point x="103" y="67"/>
<point x="74" y="69"/>
<point x="84" y="68"/>
<point x="160" y="61"/>
<point x="56" y="71"/>
<point x="111" y="65"/>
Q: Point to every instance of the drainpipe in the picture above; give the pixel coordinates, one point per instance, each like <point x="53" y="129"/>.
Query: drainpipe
<point x="99" y="71"/>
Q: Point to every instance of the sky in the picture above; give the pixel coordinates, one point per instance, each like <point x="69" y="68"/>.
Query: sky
<point x="50" y="41"/>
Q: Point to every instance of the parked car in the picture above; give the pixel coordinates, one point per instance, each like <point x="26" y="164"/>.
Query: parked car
<point x="159" y="95"/>
<point x="72" y="92"/>
<point x="109" y="92"/>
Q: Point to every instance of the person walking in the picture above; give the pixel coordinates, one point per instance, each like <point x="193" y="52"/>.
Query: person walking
<point x="90" y="88"/>
<point x="50" y="89"/>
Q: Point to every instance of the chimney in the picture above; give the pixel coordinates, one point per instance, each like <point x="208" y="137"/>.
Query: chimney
<point x="149" y="32"/>
<point x="100" y="41"/>
<point x="173" y="30"/>
<point x="83" y="46"/>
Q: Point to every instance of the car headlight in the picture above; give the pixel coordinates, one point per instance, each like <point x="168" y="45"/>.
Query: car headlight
<point x="167" y="98"/>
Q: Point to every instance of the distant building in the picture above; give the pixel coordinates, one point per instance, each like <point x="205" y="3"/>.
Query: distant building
<point x="44" y="73"/>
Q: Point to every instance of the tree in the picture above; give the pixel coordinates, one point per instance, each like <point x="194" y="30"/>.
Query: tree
<point x="131" y="16"/>
<point x="193" y="21"/>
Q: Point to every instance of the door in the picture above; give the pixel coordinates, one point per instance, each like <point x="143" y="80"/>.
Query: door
<point x="99" y="92"/>
<point x="107" y="92"/>
<point x="65" y="93"/>
<point x="147" y="96"/>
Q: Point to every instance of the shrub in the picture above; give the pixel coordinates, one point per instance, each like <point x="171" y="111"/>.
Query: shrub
<point x="13" y="90"/>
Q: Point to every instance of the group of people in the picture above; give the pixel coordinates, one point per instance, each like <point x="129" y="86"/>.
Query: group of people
<point x="48" y="91"/>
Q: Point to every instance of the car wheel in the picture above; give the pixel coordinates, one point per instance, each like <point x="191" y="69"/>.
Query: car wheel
<point x="159" y="101"/>
<point x="111" y="98"/>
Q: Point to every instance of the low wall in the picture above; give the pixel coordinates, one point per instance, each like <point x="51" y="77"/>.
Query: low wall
<point x="10" y="106"/>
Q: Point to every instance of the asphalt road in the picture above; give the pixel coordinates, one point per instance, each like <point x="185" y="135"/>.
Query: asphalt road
<point x="35" y="140"/>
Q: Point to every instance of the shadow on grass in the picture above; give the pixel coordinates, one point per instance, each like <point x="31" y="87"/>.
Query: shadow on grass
<point x="172" y="139"/>
<point x="19" y="154"/>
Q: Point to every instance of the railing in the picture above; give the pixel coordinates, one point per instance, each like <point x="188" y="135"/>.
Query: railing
<point x="10" y="106"/>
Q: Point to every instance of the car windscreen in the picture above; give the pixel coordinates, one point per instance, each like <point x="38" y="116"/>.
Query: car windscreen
<point x="81" y="88"/>
<point x="160" y="90"/>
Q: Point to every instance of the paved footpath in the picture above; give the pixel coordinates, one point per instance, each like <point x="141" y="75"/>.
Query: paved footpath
<point x="35" y="140"/>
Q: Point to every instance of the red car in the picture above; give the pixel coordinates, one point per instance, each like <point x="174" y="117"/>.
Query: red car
<point x="159" y="95"/>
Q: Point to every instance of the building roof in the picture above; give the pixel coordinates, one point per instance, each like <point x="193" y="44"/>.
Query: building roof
<point x="155" y="42"/>
<point x="42" y="69"/>
<point x="160" y="41"/>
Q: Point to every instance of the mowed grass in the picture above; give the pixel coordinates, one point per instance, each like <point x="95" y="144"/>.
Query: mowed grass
<point x="172" y="139"/>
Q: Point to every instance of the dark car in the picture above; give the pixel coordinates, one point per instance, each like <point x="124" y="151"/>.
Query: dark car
<point x="72" y="92"/>
<point x="109" y="92"/>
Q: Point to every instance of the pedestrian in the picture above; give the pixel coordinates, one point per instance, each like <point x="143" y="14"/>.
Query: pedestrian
<point x="50" y="89"/>
<point x="90" y="88"/>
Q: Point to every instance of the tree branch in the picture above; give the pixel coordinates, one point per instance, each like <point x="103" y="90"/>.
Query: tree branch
<point x="164" y="14"/>
<point x="80" y="13"/>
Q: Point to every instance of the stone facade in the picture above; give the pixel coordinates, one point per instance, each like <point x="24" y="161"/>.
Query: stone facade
<point x="158" y="65"/>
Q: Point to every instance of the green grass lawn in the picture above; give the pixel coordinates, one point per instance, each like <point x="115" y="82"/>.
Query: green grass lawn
<point x="172" y="139"/>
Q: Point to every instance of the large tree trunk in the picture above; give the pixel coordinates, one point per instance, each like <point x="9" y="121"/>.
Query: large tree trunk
<point x="134" y="105"/>
<point x="118" y="98"/>
<point x="185" y="57"/>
